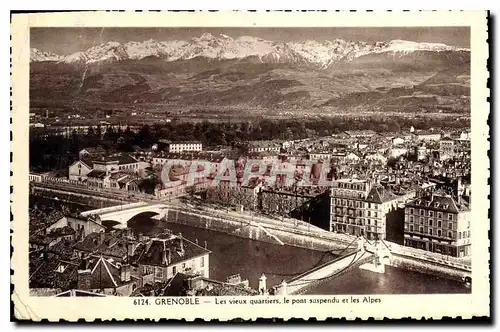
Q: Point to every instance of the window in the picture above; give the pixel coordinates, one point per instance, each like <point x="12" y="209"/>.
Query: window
<point x="421" y="212"/>
<point x="202" y="263"/>
<point x="439" y="223"/>
<point x="440" y="215"/>
<point x="376" y="214"/>
<point x="439" y="232"/>
<point x="459" y="235"/>
<point x="174" y="270"/>
<point x="430" y="231"/>
<point x="368" y="213"/>
<point x="430" y="222"/>
<point x="159" y="272"/>
<point x="431" y="213"/>
<point x="450" y="235"/>
<point x="450" y="216"/>
<point x="411" y="218"/>
<point x="421" y="230"/>
<point x="450" y="225"/>
<point x="60" y="268"/>
<point x="411" y="211"/>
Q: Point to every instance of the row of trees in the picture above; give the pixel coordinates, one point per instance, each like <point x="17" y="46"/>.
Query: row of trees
<point x="49" y="151"/>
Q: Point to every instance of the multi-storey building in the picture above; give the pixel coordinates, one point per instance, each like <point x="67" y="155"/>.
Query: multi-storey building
<point x="361" y="208"/>
<point x="184" y="146"/>
<point x="446" y="148"/>
<point x="264" y="146"/>
<point x="438" y="223"/>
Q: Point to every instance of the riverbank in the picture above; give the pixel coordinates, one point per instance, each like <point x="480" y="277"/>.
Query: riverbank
<point x="291" y="233"/>
<point x="270" y="233"/>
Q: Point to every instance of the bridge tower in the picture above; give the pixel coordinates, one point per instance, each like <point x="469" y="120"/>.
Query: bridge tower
<point x="263" y="285"/>
<point x="381" y="257"/>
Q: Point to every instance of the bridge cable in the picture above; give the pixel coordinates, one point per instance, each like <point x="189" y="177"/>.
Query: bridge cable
<point x="331" y="252"/>
<point x="319" y="280"/>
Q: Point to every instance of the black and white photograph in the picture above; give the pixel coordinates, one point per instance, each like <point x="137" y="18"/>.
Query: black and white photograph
<point x="182" y="165"/>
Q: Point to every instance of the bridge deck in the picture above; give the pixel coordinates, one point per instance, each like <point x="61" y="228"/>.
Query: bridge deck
<point x="326" y="271"/>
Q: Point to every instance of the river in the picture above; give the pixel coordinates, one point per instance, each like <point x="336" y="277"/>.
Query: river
<point x="250" y="258"/>
<point x="231" y="255"/>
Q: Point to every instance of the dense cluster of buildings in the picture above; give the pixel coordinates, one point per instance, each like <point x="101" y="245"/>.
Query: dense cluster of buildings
<point x="411" y="187"/>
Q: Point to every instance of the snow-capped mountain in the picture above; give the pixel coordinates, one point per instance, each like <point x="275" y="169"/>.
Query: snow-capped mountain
<point x="321" y="54"/>
<point x="37" y="56"/>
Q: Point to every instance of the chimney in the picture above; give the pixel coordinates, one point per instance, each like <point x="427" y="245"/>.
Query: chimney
<point x="102" y="236"/>
<point x="84" y="279"/>
<point x="167" y="256"/>
<point x="131" y="246"/>
<point x="125" y="273"/>
<point x="181" y="242"/>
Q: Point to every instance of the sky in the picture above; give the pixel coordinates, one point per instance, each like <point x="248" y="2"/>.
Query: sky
<point x="65" y="41"/>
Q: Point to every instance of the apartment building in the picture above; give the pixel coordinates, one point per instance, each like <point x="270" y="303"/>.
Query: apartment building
<point x="184" y="146"/>
<point x="446" y="148"/>
<point x="361" y="208"/>
<point x="438" y="223"/>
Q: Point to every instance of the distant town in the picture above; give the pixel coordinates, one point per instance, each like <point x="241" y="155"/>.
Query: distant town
<point x="396" y="198"/>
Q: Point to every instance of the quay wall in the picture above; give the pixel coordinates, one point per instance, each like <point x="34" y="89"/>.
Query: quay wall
<point x="70" y="197"/>
<point x="251" y="231"/>
<point x="427" y="267"/>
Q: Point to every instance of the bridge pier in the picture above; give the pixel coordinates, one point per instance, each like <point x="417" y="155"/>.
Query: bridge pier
<point x="381" y="257"/>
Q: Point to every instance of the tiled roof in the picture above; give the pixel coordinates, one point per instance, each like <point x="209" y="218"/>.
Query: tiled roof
<point x="378" y="194"/>
<point x="48" y="274"/>
<point x="104" y="274"/>
<point x="159" y="247"/>
<point x="439" y="202"/>
<point x="121" y="158"/>
<point x="96" y="174"/>
<point x="79" y="293"/>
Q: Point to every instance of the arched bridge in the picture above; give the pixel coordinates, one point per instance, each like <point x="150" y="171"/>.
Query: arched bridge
<point x="123" y="213"/>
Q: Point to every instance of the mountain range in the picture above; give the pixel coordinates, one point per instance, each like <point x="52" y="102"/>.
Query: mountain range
<point x="253" y="72"/>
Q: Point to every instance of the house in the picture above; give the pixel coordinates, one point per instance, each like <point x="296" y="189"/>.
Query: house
<point x="421" y="151"/>
<point x="422" y="135"/>
<point x="396" y="152"/>
<point x="167" y="254"/>
<point x="465" y="136"/>
<point x="98" y="179"/>
<point x="117" y="245"/>
<point x="264" y="146"/>
<point x="319" y="155"/>
<point x="106" y="276"/>
<point x="96" y="170"/>
<point x="55" y="273"/>
<point x="79" y="170"/>
<point x="352" y="157"/>
<point x="91" y="152"/>
<point x="56" y="235"/>
<point x="180" y="146"/>
<point x="117" y="162"/>
<point x="446" y="148"/>
<point x="84" y="226"/>
<point x="397" y="141"/>
<point x="438" y="223"/>
<point x="376" y="157"/>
